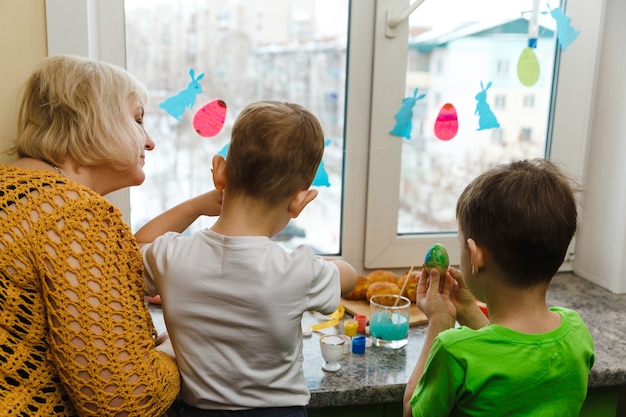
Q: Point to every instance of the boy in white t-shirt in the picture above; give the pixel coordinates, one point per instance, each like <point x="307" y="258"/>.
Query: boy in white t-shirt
<point x="232" y="298"/>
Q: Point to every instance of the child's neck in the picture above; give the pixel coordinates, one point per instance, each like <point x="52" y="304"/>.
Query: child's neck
<point x="249" y="218"/>
<point x="524" y="311"/>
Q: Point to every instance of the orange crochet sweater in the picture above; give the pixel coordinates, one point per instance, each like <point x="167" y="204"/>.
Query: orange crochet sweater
<point x="76" y="337"/>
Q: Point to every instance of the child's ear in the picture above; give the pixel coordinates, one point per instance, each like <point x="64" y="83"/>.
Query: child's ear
<point x="219" y="172"/>
<point x="477" y="255"/>
<point x="299" y="202"/>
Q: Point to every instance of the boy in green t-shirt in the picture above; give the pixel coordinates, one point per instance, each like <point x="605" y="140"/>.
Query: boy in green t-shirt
<point x="515" y="224"/>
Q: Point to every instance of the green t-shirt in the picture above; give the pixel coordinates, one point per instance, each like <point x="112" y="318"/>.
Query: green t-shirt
<point x="495" y="371"/>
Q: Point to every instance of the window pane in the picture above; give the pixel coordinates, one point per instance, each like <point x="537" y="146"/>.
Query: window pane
<point x="472" y="49"/>
<point x="271" y="49"/>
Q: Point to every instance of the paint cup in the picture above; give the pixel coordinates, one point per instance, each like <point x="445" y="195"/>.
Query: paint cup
<point x="361" y="320"/>
<point x="350" y="327"/>
<point x="347" y="345"/>
<point x="389" y="320"/>
<point x="358" y="345"/>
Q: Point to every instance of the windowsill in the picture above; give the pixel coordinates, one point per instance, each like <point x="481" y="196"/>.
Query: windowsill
<point x="380" y="375"/>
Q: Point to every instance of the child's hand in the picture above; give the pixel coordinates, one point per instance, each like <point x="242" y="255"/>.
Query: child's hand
<point x="433" y="296"/>
<point x="462" y="297"/>
<point x="467" y="312"/>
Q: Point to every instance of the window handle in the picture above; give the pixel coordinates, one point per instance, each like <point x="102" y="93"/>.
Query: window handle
<point x="394" y="19"/>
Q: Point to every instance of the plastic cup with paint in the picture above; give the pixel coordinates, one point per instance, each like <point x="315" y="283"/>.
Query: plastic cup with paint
<point x="358" y="345"/>
<point x="361" y="320"/>
<point x="350" y="327"/>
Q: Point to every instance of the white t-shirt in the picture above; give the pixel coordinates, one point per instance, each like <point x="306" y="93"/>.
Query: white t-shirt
<point x="233" y="308"/>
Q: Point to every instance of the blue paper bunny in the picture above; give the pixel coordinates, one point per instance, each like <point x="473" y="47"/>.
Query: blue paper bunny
<point x="184" y="99"/>
<point x="486" y="118"/>
<point x="404" y="116"/>
<point x="564" y="30"/>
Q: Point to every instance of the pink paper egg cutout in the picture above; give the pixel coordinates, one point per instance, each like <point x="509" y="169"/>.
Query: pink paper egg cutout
<point x="209" y="119"/>
<point x="447" y="123"/>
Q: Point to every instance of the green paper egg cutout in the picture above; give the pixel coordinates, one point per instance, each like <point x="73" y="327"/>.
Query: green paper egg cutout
<point x="437" y="257"/>
<point x="528" y="67"/>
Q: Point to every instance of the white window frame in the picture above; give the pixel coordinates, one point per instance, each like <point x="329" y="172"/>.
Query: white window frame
<point x="572" y="122"/>
<point x="95" y="28"/>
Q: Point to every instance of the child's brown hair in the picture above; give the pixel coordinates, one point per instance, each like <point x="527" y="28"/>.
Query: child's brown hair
<point x="275" y="151"/>
<point x="524" y="214"/>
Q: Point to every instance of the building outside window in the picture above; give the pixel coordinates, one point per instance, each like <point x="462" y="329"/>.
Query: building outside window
<point x="525" y="135"/>
<point x="386" y="198"/>
<point x="529" y="101"/>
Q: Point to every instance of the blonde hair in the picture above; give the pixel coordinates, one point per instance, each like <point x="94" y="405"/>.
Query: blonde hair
<point x="274" y="152"/>
<point x="79" y="108"/>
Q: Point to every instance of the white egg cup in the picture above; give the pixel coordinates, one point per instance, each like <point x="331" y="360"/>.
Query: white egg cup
<point x="332" y="349"/>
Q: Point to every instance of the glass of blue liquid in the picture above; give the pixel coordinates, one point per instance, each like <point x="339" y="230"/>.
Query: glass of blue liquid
<point x="389" y="320"/>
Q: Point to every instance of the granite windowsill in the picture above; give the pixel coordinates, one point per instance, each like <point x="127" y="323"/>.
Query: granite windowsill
<point x="380" y="375"/>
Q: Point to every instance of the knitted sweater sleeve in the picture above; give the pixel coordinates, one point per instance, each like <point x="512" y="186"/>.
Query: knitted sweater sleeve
<point x="101" y="335"/>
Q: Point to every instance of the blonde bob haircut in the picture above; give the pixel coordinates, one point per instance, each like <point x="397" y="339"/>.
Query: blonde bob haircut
<point x="79" y="108"/>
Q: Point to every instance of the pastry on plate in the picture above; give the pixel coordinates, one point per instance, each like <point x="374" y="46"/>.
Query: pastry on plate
<point x="410" y="289"/>
<point x="382" y="275"/>
<point x="382" y="287"/>
<point x="360" y="289"/>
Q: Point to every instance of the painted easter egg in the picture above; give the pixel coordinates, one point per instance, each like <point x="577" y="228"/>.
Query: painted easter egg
<point x="528" y="67"/>
<point x="447" y="123"/>
<point x="209" y="119"/>
<point x="437" y="257"/>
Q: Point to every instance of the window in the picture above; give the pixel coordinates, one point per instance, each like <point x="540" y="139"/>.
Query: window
<point x="529" y="101"/>
<point x="500" y="102"/>
<point x="496" y="135"/>
<point x="439" y="67"/>
<point x="379" y="172"/>
<point x="502" y="68"/>
<point x="525" y="134"/>
<point x="288" y="51"/>
<point x="418" y="63"/>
